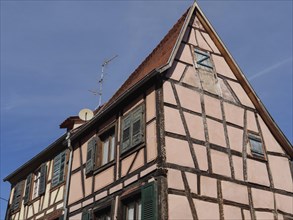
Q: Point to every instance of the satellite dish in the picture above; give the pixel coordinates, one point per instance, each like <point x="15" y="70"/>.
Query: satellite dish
<point x="86" y="114"/>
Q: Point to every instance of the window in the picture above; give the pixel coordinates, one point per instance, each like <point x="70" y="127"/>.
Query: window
<point x="104" y="214"/>
<point x="203" y="60"/>
<point x="58" y="169"/>
<point x="35" y="182"/>
<point x="106" y="148"/>
<point x="142" y="205"/>
<point x="132" y="129"/>
<point x="132" y="209"/>
<point x="100" y="150"/>
<point x="256" y="145"/>
<point x="17" y="196"/>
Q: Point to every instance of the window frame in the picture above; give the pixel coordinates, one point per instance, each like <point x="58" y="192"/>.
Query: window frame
<point x="148" y="196"/>
<point x="105" y="210"/>
<point x="253" y="149"/>
<point x="207" y="57"/>
<point x="111" y="135"/>
<point x="135" y="115"/>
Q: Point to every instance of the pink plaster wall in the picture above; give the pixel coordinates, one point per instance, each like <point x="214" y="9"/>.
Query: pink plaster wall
<point x="191" y="77"/>
<point x="238" y="167"/>
<point x="232" y="212"/>
<point x="168" y="94"/>
<point x="175" y="179"/>
<point x="216" y="133"/>
<point x="191" y="38"/>
<point x="104" y="178"/>
<point x="220" y="163"/>
<point x="75" y="192"/>
<point x="76" y="159"/>
<point x="196" y="23"/>
<point x="210" y="42"/>
<point x="270" y="142"/>
<point x="192" y="181"/>
<point x="257" y="172"/>
<point x="175" y="147"/>
<point x="201" y="155"/>
<point x="195" y="126"/>
<point x="189" y="98"/>
<point x="284" y="203"/>
<point x="173" y="122"/>
<point x="139" y="162"/>
<point x="176" y="71"/>
<point x="212" y="107"/>
<point x="234" y="114"/>
<point x="184" y="54"/>
<point x="251" y="122"/>
<point x="201" y="41"/>
<point x="151" y="141"/>
<point x="206" y="210"/>
<point x="125" y="164"/>
<point x="262" y="198"/>
<point x="88" y="183"/>
<point x="235" y="192"/>
<point x="150" y="105"/>
<point x="222" y="67"/>
<point x="208" y="187"/>
<point x="241" y="94"/>
<point x="281" y="173"/>
<point x="178" y="207"/>
<point x="235" y="136"/>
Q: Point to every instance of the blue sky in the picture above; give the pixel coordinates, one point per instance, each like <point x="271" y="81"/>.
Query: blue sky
<point x="52" y="51"/>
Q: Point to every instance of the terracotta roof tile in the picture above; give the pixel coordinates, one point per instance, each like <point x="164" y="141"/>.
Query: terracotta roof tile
<point x="157" y="58"/>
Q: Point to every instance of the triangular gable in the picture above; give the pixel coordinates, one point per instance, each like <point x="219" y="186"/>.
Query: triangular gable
<point x="200" y="34"/>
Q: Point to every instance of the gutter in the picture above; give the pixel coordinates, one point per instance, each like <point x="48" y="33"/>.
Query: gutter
<point x="66" y="195"/>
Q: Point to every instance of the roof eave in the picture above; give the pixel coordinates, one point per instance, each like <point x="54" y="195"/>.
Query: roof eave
<point x="35" y="158"/>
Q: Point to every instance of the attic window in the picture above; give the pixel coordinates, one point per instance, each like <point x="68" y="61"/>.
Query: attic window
<point x="203" y="60"/>
<point x="256" y="145"/>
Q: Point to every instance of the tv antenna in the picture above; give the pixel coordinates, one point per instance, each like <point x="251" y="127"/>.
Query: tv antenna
<point x="101" y="81"/>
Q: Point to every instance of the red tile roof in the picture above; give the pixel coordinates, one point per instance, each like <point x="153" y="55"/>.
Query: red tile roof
<point x="157" y="58"/>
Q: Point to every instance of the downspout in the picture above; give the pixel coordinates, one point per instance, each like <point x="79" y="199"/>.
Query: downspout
<point x="68" y="176"/>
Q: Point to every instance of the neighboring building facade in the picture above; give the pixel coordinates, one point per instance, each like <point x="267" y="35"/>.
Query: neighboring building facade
<point x="185" y="137"/>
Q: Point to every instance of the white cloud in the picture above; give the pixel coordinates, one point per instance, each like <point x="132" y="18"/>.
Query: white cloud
<point x="270" y="68"/>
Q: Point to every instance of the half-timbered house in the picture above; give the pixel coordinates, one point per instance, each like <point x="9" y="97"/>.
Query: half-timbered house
<point x="185" y="137"/>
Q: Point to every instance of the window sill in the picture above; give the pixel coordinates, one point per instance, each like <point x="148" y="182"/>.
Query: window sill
<point x="102" y="168"/>
<point x="57" y="186"/>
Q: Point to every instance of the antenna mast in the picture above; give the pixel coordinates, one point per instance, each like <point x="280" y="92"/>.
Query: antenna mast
<point x="104" y="65"/>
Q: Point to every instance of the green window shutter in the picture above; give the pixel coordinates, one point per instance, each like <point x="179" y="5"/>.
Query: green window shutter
<point x="42" y="183"/>
<point x="17" y="196"/>
<point x="126" y="133"/>
<point x="149" y="202"/>
<point x="137" y="126"/>
<point x="58" y="169"/>
<point x="85" y="215"/>
<point x="27" y="189"/>
<point x="62" y="167"/>
<point x="90" y="158"/>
